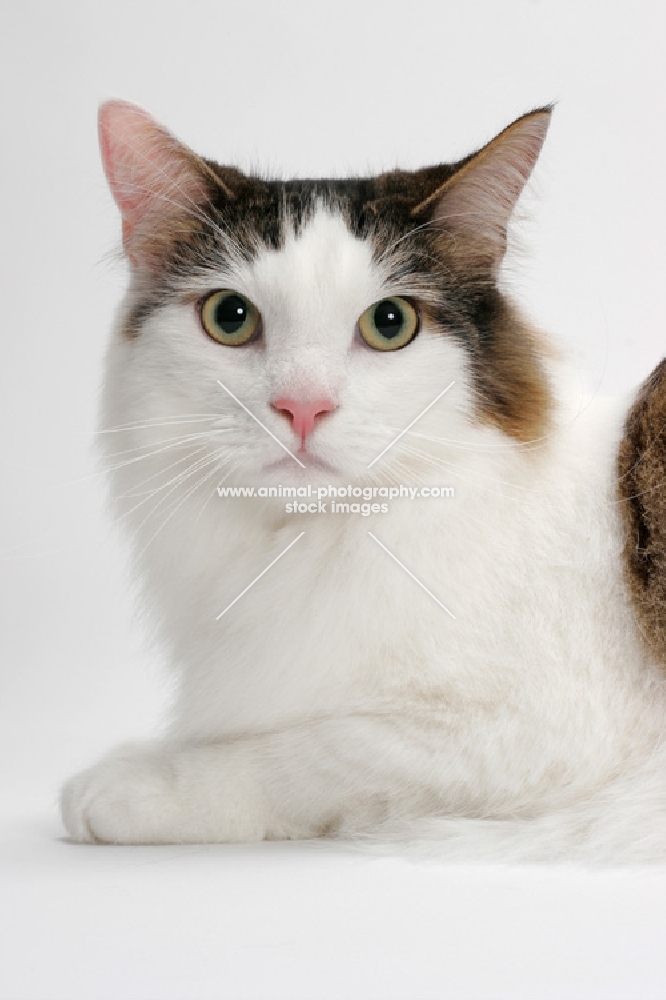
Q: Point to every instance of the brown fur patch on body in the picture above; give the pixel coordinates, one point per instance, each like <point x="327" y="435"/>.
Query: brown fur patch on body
<point x="642" y="490"/>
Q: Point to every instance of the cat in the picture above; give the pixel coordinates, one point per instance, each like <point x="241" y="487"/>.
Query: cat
<point x="483" y="672"/>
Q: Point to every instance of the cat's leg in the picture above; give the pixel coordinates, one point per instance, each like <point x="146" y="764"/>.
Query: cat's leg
<point x="337" y="775"/>
<point x="347" y="776"/>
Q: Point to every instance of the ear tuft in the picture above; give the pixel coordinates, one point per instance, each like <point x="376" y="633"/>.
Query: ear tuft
<point x="478" y="200"/>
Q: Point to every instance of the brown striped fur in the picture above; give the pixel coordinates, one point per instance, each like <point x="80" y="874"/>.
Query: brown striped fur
<point x="642" y="491"/>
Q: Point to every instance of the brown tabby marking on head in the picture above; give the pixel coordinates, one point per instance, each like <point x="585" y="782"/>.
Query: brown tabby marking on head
<point x="642" y="491"/>
<point x="512" y="387"/>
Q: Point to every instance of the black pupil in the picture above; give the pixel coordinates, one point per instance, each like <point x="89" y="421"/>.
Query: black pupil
<point x="388" y="319"/>
<point x="231" y="313"/>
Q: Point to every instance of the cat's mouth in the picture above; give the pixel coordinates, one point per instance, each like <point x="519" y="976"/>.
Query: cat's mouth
<point x="306" y="459"/>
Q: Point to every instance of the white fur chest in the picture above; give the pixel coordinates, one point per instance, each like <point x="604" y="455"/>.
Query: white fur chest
<point x="539" y="671"/>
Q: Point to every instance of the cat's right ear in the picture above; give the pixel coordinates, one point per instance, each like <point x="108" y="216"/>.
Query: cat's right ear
<point x="153" y="178"/>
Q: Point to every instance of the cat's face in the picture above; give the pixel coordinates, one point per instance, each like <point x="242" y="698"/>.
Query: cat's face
<point x="327" y="314"/>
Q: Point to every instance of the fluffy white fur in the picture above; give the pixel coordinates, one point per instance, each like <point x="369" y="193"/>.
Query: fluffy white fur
<point x="336" y="696"/>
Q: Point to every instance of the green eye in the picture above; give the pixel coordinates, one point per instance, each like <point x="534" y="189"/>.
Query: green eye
<point x="229" y="318"/>
<point x="389" y="324"/>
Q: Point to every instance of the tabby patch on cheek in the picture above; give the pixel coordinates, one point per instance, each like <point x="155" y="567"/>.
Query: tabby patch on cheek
<point x="510" y="381"/>
<point x="642" y="493"/>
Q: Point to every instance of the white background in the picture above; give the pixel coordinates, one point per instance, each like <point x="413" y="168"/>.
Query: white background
<point x="302" y="88"/>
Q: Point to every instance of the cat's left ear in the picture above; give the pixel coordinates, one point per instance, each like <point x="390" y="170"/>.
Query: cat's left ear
<point x="477" y="201"/>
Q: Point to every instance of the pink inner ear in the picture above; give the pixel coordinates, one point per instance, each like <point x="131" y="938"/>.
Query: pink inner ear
<point x="482" y="196"/>
<point x="149" y="172"/>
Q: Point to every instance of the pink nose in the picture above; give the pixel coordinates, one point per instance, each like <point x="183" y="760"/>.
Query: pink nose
<point x="303" y="414"/>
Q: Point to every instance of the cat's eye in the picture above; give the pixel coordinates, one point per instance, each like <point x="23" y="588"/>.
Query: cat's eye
<point x="229" y="318"/>
<point x="389" y="324"/>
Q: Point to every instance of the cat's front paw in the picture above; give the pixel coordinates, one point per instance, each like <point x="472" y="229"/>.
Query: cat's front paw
<point x="127" y="798"/>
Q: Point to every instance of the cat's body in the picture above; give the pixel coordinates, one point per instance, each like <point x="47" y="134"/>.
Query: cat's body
<point x="526" y="717"/>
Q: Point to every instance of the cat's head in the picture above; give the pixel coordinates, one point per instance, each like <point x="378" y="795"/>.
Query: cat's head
<point x="327" y="314"/>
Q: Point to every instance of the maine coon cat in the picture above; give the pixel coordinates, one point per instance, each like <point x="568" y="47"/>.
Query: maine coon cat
<point x="485" y="671"/>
